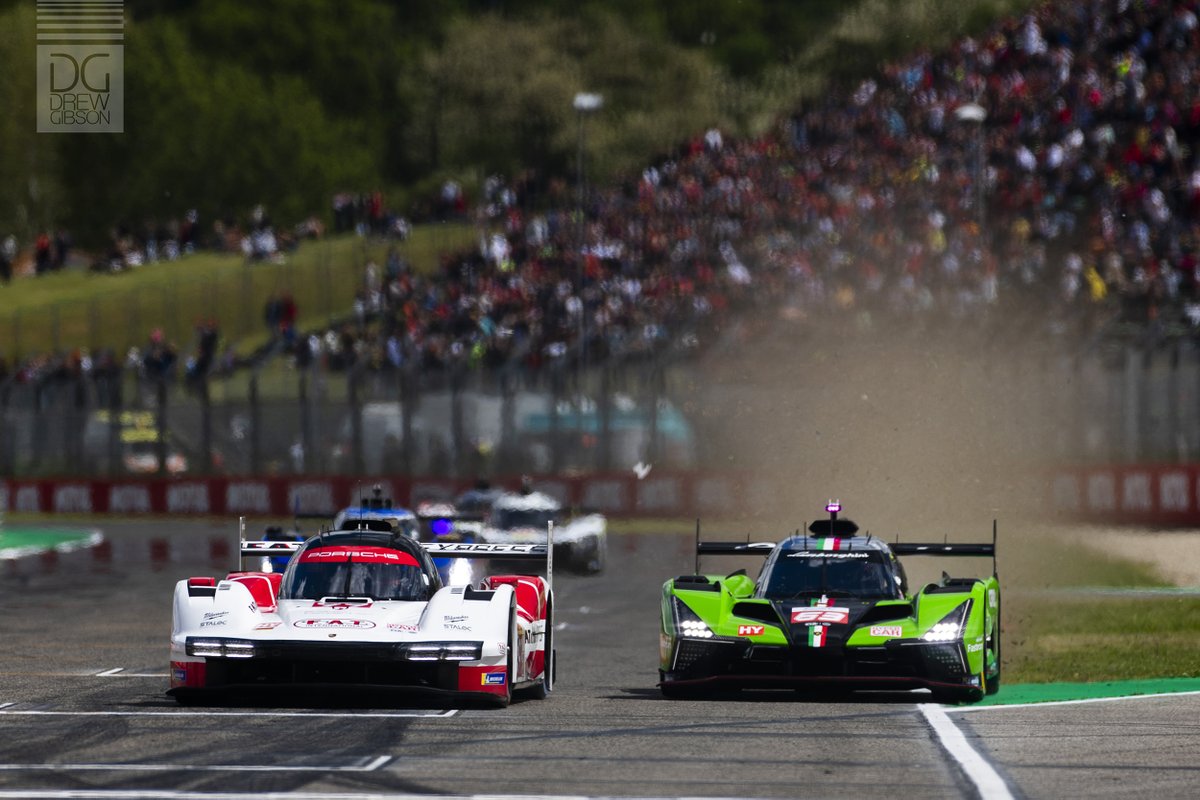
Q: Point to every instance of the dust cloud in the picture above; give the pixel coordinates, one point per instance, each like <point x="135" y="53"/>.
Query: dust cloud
<point x="919" y="436"/>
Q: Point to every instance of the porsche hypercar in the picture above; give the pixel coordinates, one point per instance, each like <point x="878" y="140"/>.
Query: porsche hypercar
<point x="831" y="609"/>
<point x="366" y="607"/>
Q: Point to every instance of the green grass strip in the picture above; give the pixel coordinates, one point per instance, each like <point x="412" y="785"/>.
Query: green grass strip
<point x="1058" y="692"/>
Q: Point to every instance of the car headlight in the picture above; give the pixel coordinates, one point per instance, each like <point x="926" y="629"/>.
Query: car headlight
<point x="442" y="651"/>
<point x="943" y="632"/>
<point x="688" y="624"/>
<point x="950" y="627"/>
<point x="219" y="648"/>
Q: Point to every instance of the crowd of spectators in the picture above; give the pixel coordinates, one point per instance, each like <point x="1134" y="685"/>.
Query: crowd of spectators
<point x="862" y="206"/>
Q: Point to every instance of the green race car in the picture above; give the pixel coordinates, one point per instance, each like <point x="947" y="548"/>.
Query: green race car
<point x="831" y="608"/>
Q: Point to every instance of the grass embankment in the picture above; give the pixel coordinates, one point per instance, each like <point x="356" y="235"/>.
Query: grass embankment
<point x="1057" y="630"/>
<point x="69" y="309"/>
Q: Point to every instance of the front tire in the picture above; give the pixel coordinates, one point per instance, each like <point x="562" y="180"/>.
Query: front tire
<point x="993" y="683"/>
<point x="511" y="658"/>
<point x="542" y="688"/>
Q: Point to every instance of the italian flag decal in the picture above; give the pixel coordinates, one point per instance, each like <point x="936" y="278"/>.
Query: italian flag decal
<point x="833" y="543"/>
<point x="817" y="632"/>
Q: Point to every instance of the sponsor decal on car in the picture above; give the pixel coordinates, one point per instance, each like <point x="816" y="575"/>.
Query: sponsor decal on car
<point x="886" y="630"/>
<point x="817" y="635"/>
<point x="820" y="615"/>
<point x="368" y="555"/>
<point x="751" y="630"/>
<point x="267" y="626"/>
<point x="456" y="627"/>
<point x="400" y="627"/>
<point x="215" y="614"/>
<point x="492" y="679"/>
<point x="454" y="618"/>
<point x="974" y="648"/>
<point x="345" y="624"/>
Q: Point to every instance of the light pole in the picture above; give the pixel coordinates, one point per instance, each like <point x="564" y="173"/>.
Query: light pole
<point x="976" y="115"/>
<point x="585" y="103"/>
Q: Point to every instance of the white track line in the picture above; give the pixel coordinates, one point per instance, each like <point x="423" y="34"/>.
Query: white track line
<point x="371" y="766"/>
<point x="151" y="794"/>
<point x="6" y="710"/>
<point x="982" y="774"/>
<point x="119" y="672"/>
<point x="962" y="709"/>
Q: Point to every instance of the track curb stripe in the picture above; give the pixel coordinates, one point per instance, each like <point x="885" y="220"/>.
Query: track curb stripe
<point x="1060" y="691"/>
<point x="1076" y="702"/>
<point x="983" y="776"/>
<point x="18" y="543"/>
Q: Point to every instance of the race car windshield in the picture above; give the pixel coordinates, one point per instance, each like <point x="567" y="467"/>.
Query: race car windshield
<point x="521" y="517"/>
<point x="847" y="574"/>
<point x="355" y="572"/>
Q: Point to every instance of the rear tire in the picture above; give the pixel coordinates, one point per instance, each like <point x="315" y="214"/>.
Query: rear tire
<point x="596" y="561"/>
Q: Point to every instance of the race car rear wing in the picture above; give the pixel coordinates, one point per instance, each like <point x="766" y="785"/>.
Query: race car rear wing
<point x="480" y="550"/>
<point x="949" y="549"/>
<point x="915" y="549"/>
<point x="749" y="548"/>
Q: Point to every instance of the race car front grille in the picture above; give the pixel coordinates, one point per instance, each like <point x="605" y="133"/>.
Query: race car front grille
<point x="273" y="672"/>
<point x="344" y="664"/>
<point x="946" y="658"/>
<point x="704" y="654"/>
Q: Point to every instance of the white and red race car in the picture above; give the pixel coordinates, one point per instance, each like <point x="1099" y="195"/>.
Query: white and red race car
<point x="366" y="608"/>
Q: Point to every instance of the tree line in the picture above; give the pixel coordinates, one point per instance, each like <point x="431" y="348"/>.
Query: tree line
<point x="231" y="103"/>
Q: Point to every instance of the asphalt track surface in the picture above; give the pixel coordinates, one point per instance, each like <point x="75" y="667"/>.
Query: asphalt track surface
<point x="83" y="711"/>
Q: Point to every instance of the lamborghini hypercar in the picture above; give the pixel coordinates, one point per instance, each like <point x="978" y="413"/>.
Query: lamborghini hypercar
<point x="831" y="608"/>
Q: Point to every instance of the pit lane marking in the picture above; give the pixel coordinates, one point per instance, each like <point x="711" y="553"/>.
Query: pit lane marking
<point x="7" y="710"/>
<point x="979" y="772"/>
<point x="370" y="766"/>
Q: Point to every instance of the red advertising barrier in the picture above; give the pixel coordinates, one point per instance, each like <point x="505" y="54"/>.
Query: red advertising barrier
<point x="1149" y="494"/>
<point x="1166" y="495"/>
<point x="615" y="494"/>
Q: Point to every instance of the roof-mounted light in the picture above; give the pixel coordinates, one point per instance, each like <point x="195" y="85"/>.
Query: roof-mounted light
<point x="833" y="506"/>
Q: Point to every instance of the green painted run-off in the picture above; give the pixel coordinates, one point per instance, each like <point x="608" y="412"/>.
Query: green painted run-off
<point x="18" y="542"/>
<point x="1057" y="692"/>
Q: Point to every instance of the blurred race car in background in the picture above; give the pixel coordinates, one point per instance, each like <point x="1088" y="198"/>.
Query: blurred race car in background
<point x="426" y="528"/>
<point x="581" y="543"/>
<point x="367" y="608"/>
<point x="831" y="609"/>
